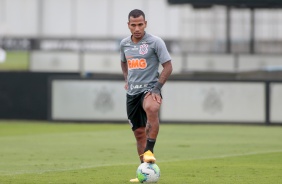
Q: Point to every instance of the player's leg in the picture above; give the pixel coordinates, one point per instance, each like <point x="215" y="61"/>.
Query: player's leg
<point x="140" y="137"/>
<point x="137" y="119"/>
<point x="151" y="108"/>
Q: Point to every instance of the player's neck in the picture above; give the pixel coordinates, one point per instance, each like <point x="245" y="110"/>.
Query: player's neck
<point x="136" y="40"/>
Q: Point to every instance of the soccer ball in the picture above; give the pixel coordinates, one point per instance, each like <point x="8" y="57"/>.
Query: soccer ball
<point x="148" y="173"/>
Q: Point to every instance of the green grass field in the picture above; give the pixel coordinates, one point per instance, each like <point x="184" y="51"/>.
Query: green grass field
<point x="15" y="60"/>
<point x="58" y="153"/>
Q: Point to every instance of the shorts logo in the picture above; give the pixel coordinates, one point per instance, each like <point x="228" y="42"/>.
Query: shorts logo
<point x="129" y="121"/>
<point x="136" y="63"/>
<point x="143" y="49"/>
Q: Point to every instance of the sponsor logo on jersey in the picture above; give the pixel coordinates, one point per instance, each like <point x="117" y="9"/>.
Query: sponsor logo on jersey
<point x="135" y="48"/>
<point x="138" y="86"/>
<point x="136" y="63"/>
<point x="126" y="50"/>
<point x="143" y="49"/>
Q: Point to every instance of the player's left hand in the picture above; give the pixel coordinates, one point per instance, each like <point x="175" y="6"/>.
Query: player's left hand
<point x="155" y="97"/>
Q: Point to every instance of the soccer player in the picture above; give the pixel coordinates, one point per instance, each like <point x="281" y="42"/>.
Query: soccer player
<point x="141" y="55"/>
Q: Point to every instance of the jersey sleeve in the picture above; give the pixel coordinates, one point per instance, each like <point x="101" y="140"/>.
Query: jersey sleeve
<point x="122" y="55"/>
<point x="161" y="51"/>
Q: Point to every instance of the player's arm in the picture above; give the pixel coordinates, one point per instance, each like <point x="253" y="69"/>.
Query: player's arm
<point x="165" y="59"/>
<point x="166" y="72"/>
<point x="125" y="72"/>
<point x="123" y="64"/>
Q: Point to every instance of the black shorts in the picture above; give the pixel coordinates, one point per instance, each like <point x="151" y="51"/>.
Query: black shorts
<point x="135" y="112"/>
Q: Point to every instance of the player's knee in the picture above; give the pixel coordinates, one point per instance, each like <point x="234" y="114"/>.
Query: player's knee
<point x="152" y="109"/>
<point x="139" y="134"/>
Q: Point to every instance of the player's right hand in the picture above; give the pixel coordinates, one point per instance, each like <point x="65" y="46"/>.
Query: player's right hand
<point x="126" y="86"/>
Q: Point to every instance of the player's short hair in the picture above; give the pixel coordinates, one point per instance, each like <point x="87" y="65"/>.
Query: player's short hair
<point x="136" y="13"/>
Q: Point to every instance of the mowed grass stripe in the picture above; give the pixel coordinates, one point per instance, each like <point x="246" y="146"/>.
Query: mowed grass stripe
<point x="14" y="128"/>
<point x="258" y="168"/>
<point x="134" y="163"/>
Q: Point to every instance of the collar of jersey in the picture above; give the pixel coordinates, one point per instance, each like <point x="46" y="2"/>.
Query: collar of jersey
<point x="145" y="35"/>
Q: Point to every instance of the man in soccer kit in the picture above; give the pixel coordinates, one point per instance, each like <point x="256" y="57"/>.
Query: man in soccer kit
<point x="141" y="54"/>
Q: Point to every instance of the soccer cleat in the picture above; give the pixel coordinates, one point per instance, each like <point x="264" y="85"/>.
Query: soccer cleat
<point x="149" y="157"/>
<point x="135" y="180"/>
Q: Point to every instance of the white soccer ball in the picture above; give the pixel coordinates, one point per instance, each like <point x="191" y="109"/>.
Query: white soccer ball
<point x="148" y="173"/>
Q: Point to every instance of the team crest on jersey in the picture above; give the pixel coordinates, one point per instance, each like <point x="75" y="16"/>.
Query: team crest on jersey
<point x="143" y="49"/>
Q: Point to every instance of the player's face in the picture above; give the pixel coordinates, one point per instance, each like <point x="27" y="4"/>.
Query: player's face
<point x="137" y="27"/>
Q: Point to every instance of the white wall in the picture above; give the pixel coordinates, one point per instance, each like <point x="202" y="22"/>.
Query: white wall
<point x="57" y="18"/>
<point x="108" y="18"/>
<point x="54" y="62"/>
<point x="18" y="17"/>
<point x="92" y="18"/>
<point x="89" y="62"/>
<point x="259" y="62"/>
<point x="211" y="62"/>
<point x="102" y="63"/>
<point x="109" y="62"/>
<point x="185" y="101"/>
<point x="213" y="101"/>
<point x="88" y="100"/>
<point x="83" y="18"/>
<point x="276" y="102"/>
